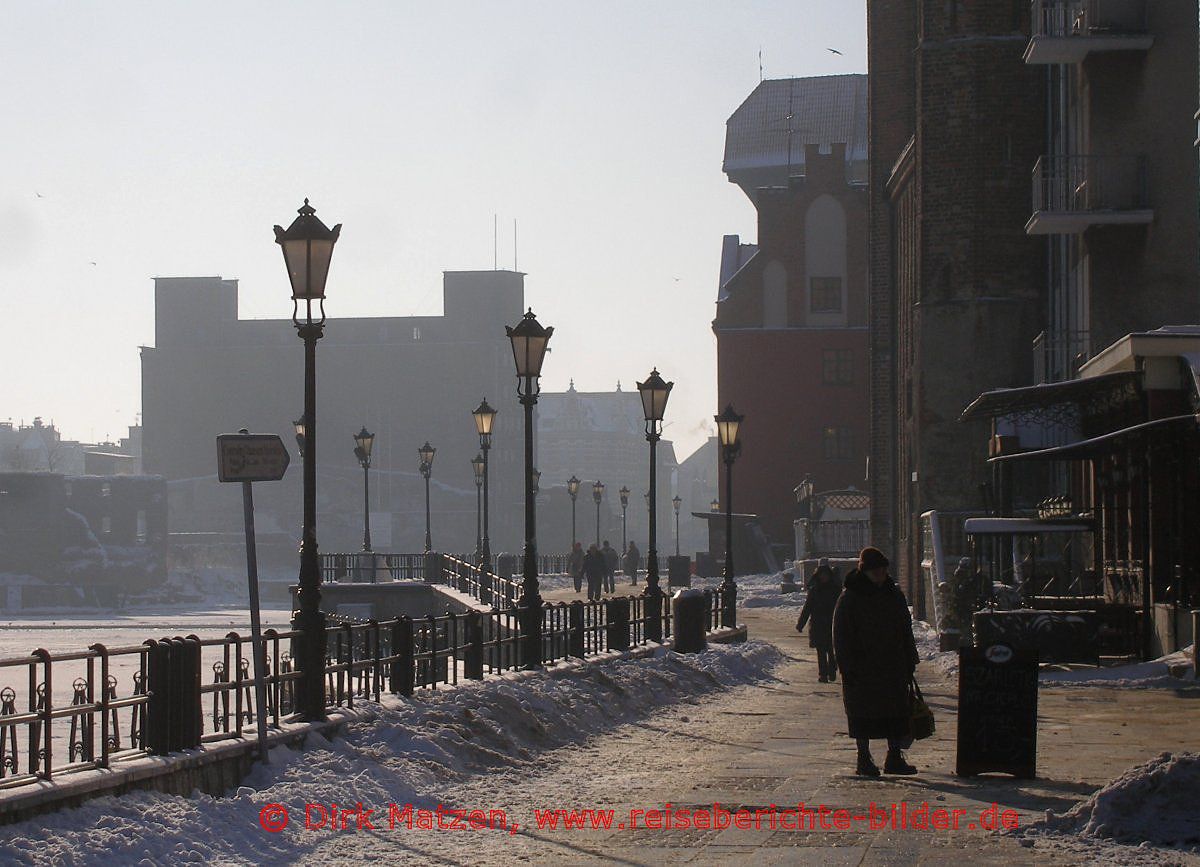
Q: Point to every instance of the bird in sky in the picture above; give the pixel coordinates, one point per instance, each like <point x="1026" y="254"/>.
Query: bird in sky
<point x="833" y="51"/>
<point x="93" y="263"/>
<point x="39" y="195"/>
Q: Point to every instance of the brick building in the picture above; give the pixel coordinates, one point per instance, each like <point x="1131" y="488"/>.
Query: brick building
<point x="791" y="321"/>
<point x="976" y="286"/>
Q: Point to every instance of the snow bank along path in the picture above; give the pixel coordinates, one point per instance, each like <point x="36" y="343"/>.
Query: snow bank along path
<point x="406" y="751"/>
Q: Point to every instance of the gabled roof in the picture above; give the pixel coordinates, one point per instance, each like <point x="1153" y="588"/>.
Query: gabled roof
<point x="822" y="110"/>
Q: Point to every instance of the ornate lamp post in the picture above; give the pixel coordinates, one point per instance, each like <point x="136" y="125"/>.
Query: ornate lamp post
<point x="529" y="341"/>
<point x="597" y="496"/>
<point x="484" y="417"/>
<point x="573" y="489"/>
<point x="427" y="452"/>
<point x="728" y="429"/>
<point x="477" y="466"/>
<point x="676" y="502"/>
<point x="715" y="505"/>
<point x="364" y="440"/>
<point x="307" y="246"/>
<point x="654" y="392"/>
<point x="624" y="494"/>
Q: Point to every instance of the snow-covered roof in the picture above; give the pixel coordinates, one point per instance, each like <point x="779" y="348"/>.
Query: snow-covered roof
<point x="783" y="115"/>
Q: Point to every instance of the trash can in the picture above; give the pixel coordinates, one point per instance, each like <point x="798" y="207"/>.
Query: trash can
<point x="679" y="571"/>
<point x="687" y="621"/>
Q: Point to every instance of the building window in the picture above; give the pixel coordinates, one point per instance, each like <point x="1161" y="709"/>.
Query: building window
<point x="141" y="527"/>
<point x="106" y="490"/>
<point x="106" y="525"/>
<point x="416" y="333"/>
<point x="837" y="443"/>
<point x="837" y="366"/>
<point x="825" y="295"/>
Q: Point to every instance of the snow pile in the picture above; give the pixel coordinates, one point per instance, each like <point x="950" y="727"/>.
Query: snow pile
<point x="929" y="649"/>
<point x="1153" y="804"/>
<point x="761" y="591"/>
<point x="406" y="751"/>
<point x="1173" y="671"/>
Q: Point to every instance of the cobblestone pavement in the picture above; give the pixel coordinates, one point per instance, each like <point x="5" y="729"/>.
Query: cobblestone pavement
<point x="783" y="742"/>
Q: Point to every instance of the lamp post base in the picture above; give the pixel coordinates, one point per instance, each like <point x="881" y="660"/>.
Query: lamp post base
<point x="310" y="687"/>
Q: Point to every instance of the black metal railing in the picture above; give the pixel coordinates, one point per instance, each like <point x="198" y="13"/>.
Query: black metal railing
<point x="1057" y="356"/>
<point x="370" y="567"/>
<point x="1089" y="183"/>
<point x="835" y="538"/>
<point x="61" y="713"/>
<point x="482" y="584"/>
<point x="1081" y="18"/>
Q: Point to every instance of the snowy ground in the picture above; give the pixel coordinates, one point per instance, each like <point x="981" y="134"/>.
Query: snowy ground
<point x="421" y="751"/>
<point x="1173" y="671"/>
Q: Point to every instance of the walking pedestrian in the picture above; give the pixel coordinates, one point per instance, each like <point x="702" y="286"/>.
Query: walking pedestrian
<point x="630" y="563"/>
<point x="575" y="566"/>
<point x="593" y="570"/>
<point x="818" y="608"/>
<point x="877" y="655"/>
<point x="611" y="559"/>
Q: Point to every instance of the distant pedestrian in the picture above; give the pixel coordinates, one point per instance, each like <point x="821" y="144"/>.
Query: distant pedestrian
<point x="593" y="570"/>
<point x="818" y="608"/>
<point x="873" y="642"/>
<point x="575" y="565"/>
<point x="823" y="569"/>
<point x="630" y="563"/>
<point x="611" y="560"/>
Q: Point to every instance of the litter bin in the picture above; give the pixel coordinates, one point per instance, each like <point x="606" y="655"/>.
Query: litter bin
<point x="687" y="621"/>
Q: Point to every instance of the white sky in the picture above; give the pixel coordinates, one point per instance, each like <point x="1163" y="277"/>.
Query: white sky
<point x="166" y="138"/>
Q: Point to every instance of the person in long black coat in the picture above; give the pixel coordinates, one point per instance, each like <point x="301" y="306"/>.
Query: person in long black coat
<point x="594" y="569"/>
<point x="877" y="655"/>
<point x="823" y="592"/>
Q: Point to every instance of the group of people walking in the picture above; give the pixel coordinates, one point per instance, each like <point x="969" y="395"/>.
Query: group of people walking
<point x="862" y="629"/>
<point x="598" y="566"/>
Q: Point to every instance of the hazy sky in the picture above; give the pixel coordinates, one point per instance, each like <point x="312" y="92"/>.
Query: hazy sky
<point x="158" y="138"/>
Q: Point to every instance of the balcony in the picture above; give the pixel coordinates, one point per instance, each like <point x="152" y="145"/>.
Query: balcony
<point x="1067" y="31"/>
<point x="1072" y="193"/>
<point x="1057" y="356"/>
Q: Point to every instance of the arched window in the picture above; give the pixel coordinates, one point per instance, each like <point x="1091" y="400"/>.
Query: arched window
<point x="775" y="302"/>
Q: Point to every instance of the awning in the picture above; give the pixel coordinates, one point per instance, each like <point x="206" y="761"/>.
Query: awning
<point x="1093" y="393"/>
<point x="1109" y="442"/>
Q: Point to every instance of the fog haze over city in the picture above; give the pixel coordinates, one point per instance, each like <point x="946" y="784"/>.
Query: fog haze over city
<point x="147" y="140"/>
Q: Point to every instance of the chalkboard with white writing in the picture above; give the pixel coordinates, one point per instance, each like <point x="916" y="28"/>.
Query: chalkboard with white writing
<point x="997" y="711"/>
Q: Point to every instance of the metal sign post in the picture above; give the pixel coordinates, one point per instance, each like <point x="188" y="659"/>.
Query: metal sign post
<point x="248" y="458"/>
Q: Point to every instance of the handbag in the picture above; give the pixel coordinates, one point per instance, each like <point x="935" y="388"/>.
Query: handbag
<point x="920" y="717"/>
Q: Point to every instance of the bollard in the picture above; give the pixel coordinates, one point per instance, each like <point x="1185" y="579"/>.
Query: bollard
<point x="575" y="613"/>
<point x="618" y="623"/>
<point x="1196" y="642"/>
<point x="688" y="614"/>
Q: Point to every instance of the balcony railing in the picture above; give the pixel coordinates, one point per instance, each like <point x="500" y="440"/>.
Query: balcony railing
<point x="1076" y="191"/>
<point x="1067" y="31"/>
<point x="1058" y="356"/>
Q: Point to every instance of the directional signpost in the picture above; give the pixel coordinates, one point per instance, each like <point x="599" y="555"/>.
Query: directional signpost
<point x="245" y="457"/>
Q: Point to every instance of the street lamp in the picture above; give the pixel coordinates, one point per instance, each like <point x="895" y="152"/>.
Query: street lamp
<point x="529" y="342"/>
<point x="478" y="465"/>
<point x="573" y="489"/>
<point x="485" y="417"/>
<point x="729" y="429"/>
<point x="654" y="392"/>
<point x="364" y="440"/>
<point x="676" y="502"/>
<point x="597" y="496"/>
<point x="715" y="505"/>
<point x="624" y="494"/>
<point x="307" y="246"/>
<point x="427" y="452"/>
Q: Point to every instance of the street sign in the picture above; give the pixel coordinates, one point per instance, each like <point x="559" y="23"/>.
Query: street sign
<point x="997" y="711"/>
<point x="246" y="457"/>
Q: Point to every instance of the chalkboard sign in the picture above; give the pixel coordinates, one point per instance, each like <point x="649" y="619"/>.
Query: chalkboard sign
<point x="997" y="711"/>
